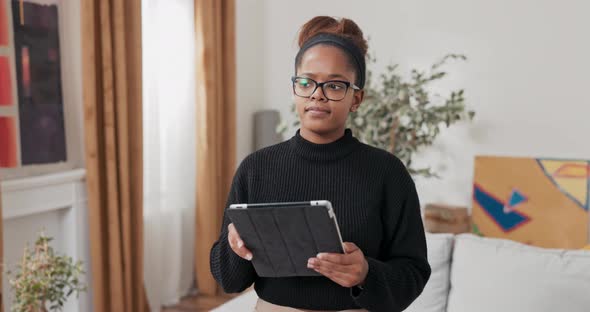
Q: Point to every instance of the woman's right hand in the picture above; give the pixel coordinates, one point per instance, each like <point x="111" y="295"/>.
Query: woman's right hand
<point x="237" y="244"/>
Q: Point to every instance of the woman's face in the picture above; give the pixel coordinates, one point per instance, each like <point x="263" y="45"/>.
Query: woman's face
<point x="320" y="116"/>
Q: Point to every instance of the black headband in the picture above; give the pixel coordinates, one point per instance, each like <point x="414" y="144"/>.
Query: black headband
<point x="346" y="45"/>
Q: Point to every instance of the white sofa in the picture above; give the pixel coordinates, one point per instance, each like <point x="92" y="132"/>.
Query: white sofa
<point x="474" y="274"/>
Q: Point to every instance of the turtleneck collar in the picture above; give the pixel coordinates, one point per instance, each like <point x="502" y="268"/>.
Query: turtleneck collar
<point x="324" y="152"/>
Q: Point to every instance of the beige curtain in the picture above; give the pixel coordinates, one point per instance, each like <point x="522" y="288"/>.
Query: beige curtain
<point x="111" y="44"/>
<point x="216" y="125"/>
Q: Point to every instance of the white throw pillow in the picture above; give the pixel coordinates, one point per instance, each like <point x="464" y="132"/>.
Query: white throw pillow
<point x="500" y="275"/>
<point x="434" y="296"/>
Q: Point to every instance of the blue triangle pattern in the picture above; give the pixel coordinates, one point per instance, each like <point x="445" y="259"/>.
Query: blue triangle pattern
<point x="516" y="198"/>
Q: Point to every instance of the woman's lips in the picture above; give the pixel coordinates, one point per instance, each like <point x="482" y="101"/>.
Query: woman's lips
<point x="316" y="111"/>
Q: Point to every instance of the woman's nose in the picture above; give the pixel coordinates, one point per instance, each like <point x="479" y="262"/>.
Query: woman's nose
<point x="318" y="95"/>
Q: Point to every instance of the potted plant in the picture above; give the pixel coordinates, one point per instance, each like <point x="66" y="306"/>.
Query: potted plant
<point x="402" y="116"/>
<point x="44" y="280"/>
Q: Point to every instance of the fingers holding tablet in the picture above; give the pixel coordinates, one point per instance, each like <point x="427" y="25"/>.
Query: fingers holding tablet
<point x="237" y="244"/>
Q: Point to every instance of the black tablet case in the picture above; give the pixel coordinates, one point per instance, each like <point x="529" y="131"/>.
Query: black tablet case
<point x="282" y="239"/>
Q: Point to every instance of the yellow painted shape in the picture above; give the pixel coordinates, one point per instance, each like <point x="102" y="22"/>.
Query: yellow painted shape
<point x="577" y="188"/>
<point x="572" y="177"/>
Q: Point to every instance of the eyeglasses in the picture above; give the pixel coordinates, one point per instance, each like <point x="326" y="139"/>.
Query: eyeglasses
<point x="334" y="90"/>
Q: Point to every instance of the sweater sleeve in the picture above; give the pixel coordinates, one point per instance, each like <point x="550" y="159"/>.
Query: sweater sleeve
<point x="233" y="273"/>
<point x="398" y="277"/>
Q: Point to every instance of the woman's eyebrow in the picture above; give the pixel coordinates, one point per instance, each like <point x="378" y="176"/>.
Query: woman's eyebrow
<point x="336" y="76"/>
<point x="331" y="76"/>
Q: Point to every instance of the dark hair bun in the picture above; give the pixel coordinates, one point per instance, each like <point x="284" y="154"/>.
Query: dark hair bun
<point x="328" y="25"/>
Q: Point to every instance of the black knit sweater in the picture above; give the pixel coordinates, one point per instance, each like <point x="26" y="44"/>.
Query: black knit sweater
<point x="377" y="207"/>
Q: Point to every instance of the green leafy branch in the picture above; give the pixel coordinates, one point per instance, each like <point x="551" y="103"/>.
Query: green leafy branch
<point x="44" y="278"/>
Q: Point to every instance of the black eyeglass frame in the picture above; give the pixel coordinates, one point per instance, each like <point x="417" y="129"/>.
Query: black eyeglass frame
<point x="348" y="85"/>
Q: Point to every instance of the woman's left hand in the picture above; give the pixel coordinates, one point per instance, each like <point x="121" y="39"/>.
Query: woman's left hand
<point x="348" y="270"/>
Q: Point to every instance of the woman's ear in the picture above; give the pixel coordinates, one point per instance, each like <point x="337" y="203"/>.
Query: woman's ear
<point x="357" y="99"/>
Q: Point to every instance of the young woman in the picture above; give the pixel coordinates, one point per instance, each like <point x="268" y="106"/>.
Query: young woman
<point x="385" y="266"/>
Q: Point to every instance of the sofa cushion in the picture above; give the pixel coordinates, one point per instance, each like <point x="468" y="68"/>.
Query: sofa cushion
<point x="500" y="275"/>
<point x="434" y="296"/>
<point x="244" y="302"/>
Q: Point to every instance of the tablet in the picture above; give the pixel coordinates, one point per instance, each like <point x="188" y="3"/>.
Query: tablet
<point x="283" y="236"/>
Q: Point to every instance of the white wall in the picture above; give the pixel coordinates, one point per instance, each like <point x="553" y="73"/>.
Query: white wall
<point x="526" y="75"/>
<point x="250" y="64"/>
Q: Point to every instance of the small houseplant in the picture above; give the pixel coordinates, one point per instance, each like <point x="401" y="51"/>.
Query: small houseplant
<point x="44" y="280"/>
<point x="402" y="116"/>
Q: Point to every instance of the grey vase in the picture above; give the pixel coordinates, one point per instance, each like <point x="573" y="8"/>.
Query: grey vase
<point x="265" y="128"/>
